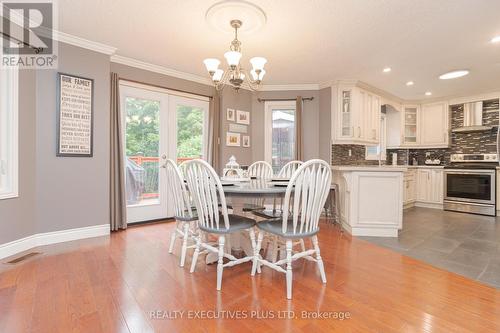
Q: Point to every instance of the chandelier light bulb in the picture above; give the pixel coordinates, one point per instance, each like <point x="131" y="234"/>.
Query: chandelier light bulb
<point x="232" y="58"/>
<point x="257" y="77"/>
<point x="258" y="63"/>
<point x="211" y="64"/>
<point x="218" y="75"/>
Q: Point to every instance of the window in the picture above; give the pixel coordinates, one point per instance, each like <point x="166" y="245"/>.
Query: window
<point x="373" y="152"/>
<point x="8" y="133"/>
<point x="192" y="128"/>
<point x="280" y="133"/>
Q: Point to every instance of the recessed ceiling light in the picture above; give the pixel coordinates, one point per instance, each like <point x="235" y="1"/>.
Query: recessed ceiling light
<point x="387" y="69"/>
<point x="454" y="74"/>
<point x="495" y="39"/>
<point x="409" y="83"/>
<point x="428" y="93"/>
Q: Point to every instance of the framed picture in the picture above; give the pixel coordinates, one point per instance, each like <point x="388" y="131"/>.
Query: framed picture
<point x="243" y="117"/>
<point x="238" y="128"/>
<point x="75" y="116"/>
<point x="246" y="141"/>
<point x="230" y="115"/>
<point x="233" y="139"/>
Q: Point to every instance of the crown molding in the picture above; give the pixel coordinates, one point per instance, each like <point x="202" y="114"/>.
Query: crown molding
<point x="118" y="59"/>
<point x="285" y="87"/>
<point x="83" y="43"/>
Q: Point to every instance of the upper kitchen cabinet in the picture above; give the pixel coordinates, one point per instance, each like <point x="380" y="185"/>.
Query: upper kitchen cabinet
<point x="419" y="126"/>
<point x="355" y="115"/>
<point x="434" y="125"/>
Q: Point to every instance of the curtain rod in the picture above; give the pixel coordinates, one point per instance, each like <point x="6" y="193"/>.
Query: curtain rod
<point x="283" y="99"/>
<point x="163" y="87"/>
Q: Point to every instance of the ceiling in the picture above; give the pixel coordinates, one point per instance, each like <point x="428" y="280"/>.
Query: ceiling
<point x="312" y="41"/>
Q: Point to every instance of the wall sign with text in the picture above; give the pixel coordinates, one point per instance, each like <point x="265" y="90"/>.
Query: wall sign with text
<point x="75" y="98"/>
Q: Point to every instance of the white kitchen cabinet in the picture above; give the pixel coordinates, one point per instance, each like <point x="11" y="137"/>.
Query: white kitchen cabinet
<point x="355" y="115"/>
<point x="434" y="125"/>
<point x="430" y="186"/>
<point x="410" y="187"/>
<point x="419" y="126"/>
<point x="410" y="125"/>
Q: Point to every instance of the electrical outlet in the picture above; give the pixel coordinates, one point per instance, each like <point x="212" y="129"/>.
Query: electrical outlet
<point x="350" y="153"/>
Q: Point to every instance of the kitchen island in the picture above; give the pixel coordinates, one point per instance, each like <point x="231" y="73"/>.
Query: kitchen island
<point x="371" y="199"/>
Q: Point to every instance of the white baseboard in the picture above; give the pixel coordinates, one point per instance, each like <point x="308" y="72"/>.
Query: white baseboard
<point x="24" y="244"/>
<point x="429" y="205"/>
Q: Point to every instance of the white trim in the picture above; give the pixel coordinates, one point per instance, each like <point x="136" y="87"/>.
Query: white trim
<point x="13" y="135"/>
<point x="289" y="87"/>
<point x="24" y="244"/>
<point x="126" y="83"/>
<point x="117" y="59"/>
<point x="83" y="43"/>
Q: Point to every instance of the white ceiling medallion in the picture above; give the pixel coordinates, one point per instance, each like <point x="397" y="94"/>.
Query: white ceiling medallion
<point x="225" y="11"/>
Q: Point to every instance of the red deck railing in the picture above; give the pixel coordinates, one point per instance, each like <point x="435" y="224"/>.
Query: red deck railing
<point x="140" y="160"/>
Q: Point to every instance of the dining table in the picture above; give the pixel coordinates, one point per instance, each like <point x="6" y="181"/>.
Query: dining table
<point x="237" y="194"/>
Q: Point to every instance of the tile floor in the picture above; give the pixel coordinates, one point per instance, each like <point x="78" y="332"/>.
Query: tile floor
<point x="465" y="244"/>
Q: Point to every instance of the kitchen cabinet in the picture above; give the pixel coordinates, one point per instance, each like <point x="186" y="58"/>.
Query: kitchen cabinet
<point x="409" y="187"/>
<point x="430" y="186"/>
<point x="434" y="125"/>
<point x="355" y="115"/>
<point x="410" y="125"/>
<point x="419" y="126"/>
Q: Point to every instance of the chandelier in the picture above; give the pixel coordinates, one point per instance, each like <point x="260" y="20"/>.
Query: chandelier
<point x="235" y="75"/>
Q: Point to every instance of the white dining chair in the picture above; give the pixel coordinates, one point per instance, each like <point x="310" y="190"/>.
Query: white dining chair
<point x="305" y="196"/>
<point x="185" y="215"/>
<point x="260" y="170"/>
<point x="286" y="172"/>
<point x="288" y="169"/>
<point x="213" y="219"/>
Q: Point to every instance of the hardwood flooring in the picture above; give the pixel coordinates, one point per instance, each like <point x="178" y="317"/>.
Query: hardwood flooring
<point x="129" y="283"/>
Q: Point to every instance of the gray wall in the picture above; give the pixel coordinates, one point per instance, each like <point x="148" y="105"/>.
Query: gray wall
<point x="72" y="192"/>
<point x="325" y="123"/>
<point x="310" y="122"/>
<point x="58" y="193"/>
<point x="17" y="215"/>
<point x="241" y="100"/>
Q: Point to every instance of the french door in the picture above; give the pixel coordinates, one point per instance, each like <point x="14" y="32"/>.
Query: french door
<point x="157" y="126"/>
<point x="145" y="140"/>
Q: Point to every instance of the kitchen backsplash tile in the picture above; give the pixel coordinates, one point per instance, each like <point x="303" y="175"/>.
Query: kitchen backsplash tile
<point x="340" y="155"/>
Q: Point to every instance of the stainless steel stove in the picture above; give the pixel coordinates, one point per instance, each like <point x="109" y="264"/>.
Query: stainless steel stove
<point x="470" y="183"/>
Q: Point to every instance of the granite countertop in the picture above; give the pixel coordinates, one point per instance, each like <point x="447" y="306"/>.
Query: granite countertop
<point x="371" y="168"/>
<point x="424" y="166"/>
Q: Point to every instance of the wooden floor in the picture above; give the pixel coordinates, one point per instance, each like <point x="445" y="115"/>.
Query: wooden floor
<point x="119" y="283"/>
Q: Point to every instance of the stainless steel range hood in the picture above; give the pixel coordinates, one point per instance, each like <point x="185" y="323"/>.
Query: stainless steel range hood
<point x="473" y="118"/>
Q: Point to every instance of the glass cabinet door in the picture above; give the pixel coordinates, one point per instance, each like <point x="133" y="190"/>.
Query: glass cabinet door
<point x="346" y="113"/>
<point x="410" y="125"/>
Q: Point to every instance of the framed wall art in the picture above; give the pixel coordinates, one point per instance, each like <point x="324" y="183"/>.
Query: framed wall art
<point x="243" y="117"/>
<point x="230" y="115"/>
<point x="75" y="116"/>
<point x="246" y="141"/>
<point x="233" y="139"/>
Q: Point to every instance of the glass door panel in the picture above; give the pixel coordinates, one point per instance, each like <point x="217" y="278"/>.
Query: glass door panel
<point x="144" y="116"/>
<point x="191" y="128"/>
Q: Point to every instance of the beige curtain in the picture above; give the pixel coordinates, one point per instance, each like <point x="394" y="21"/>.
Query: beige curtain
<point x="299" y="149"/>
<point x="214" y="132"/>
<point x="118" y="217"/>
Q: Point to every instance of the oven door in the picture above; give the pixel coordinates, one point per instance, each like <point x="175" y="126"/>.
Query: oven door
<point x="475" y="186"/>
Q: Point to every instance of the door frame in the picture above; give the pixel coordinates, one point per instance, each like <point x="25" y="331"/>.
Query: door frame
<point x="162" y="210"/>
